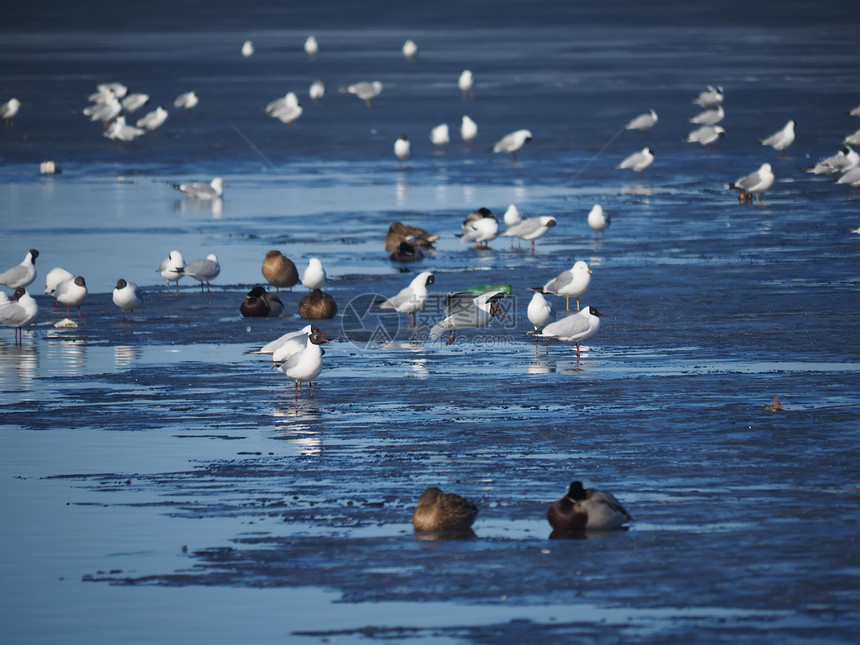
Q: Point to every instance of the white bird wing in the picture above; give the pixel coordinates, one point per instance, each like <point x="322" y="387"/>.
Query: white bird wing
<point x="567" y="327"/>
<point x="559" y="282"/>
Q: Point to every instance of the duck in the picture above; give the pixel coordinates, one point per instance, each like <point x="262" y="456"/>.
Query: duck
<point x="21" y="274"/>
<point x="18" y="311"/>
<point x="72" y="293"/>
<point x="259" y="304"/>
<point x="306" y="364"/>
<point x="406" y="252"/>
<point x="125" y="297"/>
<point x="279" y="270"/>
<point x="438" y="511"/>
<point x="317" y="306"/>
<point x="584" y="509"/>
<point x="399" y="232"/>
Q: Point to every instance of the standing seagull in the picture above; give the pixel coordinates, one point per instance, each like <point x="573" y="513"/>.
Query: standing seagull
<point x="531" y="229"/>
<point x="512" y="142"/>
<point x="586" y="508"/>
<point x="9" y="109"/>
<point x="55" y="278"/>
<point x="171" y="269"/>
<point x="188" y="100"/>
<point x="709" y="116"/>
<point x="203" y="270"/>
<point x="312" y="47"/>
<point x="480" y="227"/>
<point x="643" y="122"/>
<point x="599" y="220"/>
<point x="402" y="148"/>
<point x="22" y="274"/>
<point x="199" y="190"/>
<point x="468" y="129"/>
<point x="316" y="91"/>
<point x="125" y="297"/>
<point x="411" y="298"/>
<point x="638" y="161"/>
<point x="569" y="284"/>
<point x="539" y="312"/>
<point x="466" y="312"/>
<point x="18" y="311"/>
<point x="781" y="139"/>
<point x="72" y="293"/>
<point x="365" y="90"/>
<point x="151" y="121"/>
<point x="410" y="51"/>
<point x="440" y="135"/>
<point x="706" y="135"/>
<point x="314" y="276"/>
<point x="575" y="327"/>
<point x="710" y="97"/>
<point x="466" y="83"/>
<point x="306" y="365"/>
<point x="756" y="182"/>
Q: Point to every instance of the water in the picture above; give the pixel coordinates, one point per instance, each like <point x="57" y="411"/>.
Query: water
<point x="154" y="471"/>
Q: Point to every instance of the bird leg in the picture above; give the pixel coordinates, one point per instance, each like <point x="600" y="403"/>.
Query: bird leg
<point x="451" y="336"/>
<point x="577" y="303"/>
<point x="312" y="389"/>
<point x="297" y="390"/>
<point x="577" y="349"/>
<point x="567" y="306"/>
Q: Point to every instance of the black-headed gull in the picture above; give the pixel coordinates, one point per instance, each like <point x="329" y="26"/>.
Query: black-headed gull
<point x="539" y="312"/>
<point x="203" y="270"/>
<point x="466" y="311"/>
<point x="317" y="305"/>
<point x="121" y="131"/>
<point x="314" y="275"/>
<point x="842" y="161"/>
<point x="706" y="135"/>
<point x="104" y="112"/>
<point x="171" y="269"/>
<point x="306" y="364"/>
<point x="570" y="284"/>
<point x="480" y="227"/>
<point x="599" y="220"/>
<point x="444" y="512"/>
<point x="638" y="161"/>
<point x="153" y="120"/>
<point x="466" y="83"/>
<point x="411" y="298"/>
<point x="850" y="177"/>
<point x="72" y="293"/>
<point x="125" y="297"/>
<point x="755" y="183"/>
<point x="55" y="278"/>
<point x="583" y="509"/>
<point x="133" y="102"/>
<point x="440" y="135"/>
<point x="286" y="109"/>
<point x="468" y="129"/>
<point x="291" y="342"/>
<point x="574" y="328"/>
<point x="22" y="274"/>
<point x="18" y="311"/>
<point x="316" y="91"/>
<point x="402" y="148"/>
<point x="247" y="49"/>
<point x="710" y="97"/>
<point x="781" y="139"/>
<point x="187" y="100"/>
<point x="643" y="122"/>
<point x="279" y="270"/>
<point x="531" y="229"/>
<point x="365" y="90"/>
<point x="199" y="190"/>
<point x="413" y="235"/>
<point x="312" y="46"/>
<point x="410" y="51"/>
<point x="512" y="142"/>
<point x="257" y="303"/>
<point x="9" y="109"/>
<point x="852" y="139"/>
<point x="709" y="116"/>
<point x="512" y="215"/>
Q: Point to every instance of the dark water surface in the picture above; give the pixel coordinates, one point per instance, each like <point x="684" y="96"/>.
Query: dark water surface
<point x="159" y="483"/>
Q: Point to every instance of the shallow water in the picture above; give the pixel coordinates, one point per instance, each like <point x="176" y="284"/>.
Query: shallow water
<point x="154" y="471"/>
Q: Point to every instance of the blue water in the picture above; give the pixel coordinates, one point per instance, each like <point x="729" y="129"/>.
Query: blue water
<point x="159" y="483"/>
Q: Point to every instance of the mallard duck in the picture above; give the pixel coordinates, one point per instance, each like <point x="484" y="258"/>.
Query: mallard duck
<point x="259" y="304"/>
<point x="279" y="270"/>
<point x="317" y="306"/>
<point x="406" y="253"/>
<point x="438" y="511"/>
<point x="415" y="236"/>
<point x="586" y="509"/>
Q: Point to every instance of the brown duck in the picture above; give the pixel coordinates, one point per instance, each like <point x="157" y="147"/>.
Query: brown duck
<point x="415" y="236"/>
<point x="438" y="511"/>
<point x="317" y="306"/>
<point x="279" y="270"/>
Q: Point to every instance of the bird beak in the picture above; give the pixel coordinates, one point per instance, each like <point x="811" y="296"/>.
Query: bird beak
<point x="589" y="270"/>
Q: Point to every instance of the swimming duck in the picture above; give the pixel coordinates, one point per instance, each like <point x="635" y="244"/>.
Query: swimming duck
<point x="586" y="509"/>
<point x="317" y="306"/>
<point x="438" y="511"/>
<point x="259" y="304"/>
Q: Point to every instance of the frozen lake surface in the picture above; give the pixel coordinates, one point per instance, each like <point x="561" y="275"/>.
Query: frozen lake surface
<point x="161" y="484"/>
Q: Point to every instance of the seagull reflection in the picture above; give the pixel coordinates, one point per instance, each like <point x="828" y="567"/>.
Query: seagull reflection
<point x="125" y="355"/>
<point x="66" y="356"/>
<point x="637" y="189"/>
<point x="401" y="190"/>
<point x="194" y="206"/>
<point x="19" y="365"/>
<point x="292" y="427"/>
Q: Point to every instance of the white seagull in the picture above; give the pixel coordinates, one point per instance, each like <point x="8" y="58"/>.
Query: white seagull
<point x="706" y="135"/>
<point x="710" y="97"/>
<point x="203" y="270"/>
<point x="247" y="49"/>
<point x="21" y="274"/>
<point x="643" y="122"/>
<point x="466" y="311"/>
<point x="480" y="227"/>
<point x="55" y="278"/>
<point x="466" y="83"/>
<point x="306" y="364"/>
<point x="410" y="50"/>
<point x="9" y="109"/>
<point x="842" y="161"/>
<point x="365" y="90"/>
<point x="468" y="129"/>
<point x="402" y="148"/>
<point x="756" y="182"/>
<point x="569" y="284"/>
<point x="411" y="298"/>
<point x="125" y="297"/>
<point x="852" y="139"/>
<point x="512" y="216"/>
<point x="539" y="312"/>
<point x="531" y="229"/>
<point x="187" y="100"/>
<point x="638" y="161"/>
<point x="153" y="120"/>
<point x="72" y="293"/>
<point x="119" y="130"/>
<point x="286" y="109"/>
<point x="781" y="139"/>
<point x="850" y="177"/>
<point x="709" y="116"/>
<point x="18" y="311"/>
<point x="439" y="135"/>
<point x="574" y="328"/>
<point x="312" y="47"/>
<point x="287" y="344"/>
<point x="104" y="112"/>
<point x="171" y="269"/>
<point x="198" y="190"/>
<point x="599" y="220"/>
<point x="316" y="91"/>
<point x="314" y="276"/>
<point x="133" y="102"/>
<point x="512" y="142"/>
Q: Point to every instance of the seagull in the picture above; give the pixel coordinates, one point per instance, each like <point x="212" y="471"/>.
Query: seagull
<point x="411" y="298"/>
<point x="365" y="90"/>
<point x="18" y="311"/>
<point x="286" y="109"/>
<point x="22" y="274"/>
<point x="317" y="305"/>
<point x="643" y="122"/>
<point x="55" y="277"/>
<point x="468" y="129"/>
<point x="446" y="512"/>
<point x="198" y="190"/>
<point x="259" y="304"/>
<point x="466" y="83"/>
<point x="104" y="112"/>
<point x="72" y="293"/>
<point x="756" y="182"/>
<point x="116" y="89"/>
<point x="312" y="47"/>
<point x="586" y="509"/>
<point x="512" y="142"/>
<point x="569" y="284"/>
<point x="512" y="216"/>
<point x="710" y="97"/>
<point x="466" y="311"/>
<point x="125" y="297"/>
<point x="279" y="270"/>
<point x="188" y="100"/>
<point x="410" y="50"/>
<point x="119" y="130"/>
<point x="575" y="327"/>
<point x="153" y="120"/>
<point x="133" y="102"/>
<point x="203" y="270"/>
<point x="402" y="148"/>
<point x="599" y="220"/>
<point x="706" y="135"/>
<point x="316" y="91"/>
<point x="781" y="139"/>
<point x="306" y="364"/>
<point x="9" y="109"/>
<point x="638" y="161"/>
<point x="709" y="116"/>
<point x="531" y="229"/>
<point x="287" y="344"/>
<point x="842" y="161"/>
<point x="480" y="227"/>
<point x="852" y="139"/>
<point x="850" y="177"/>
<point x="247" y="49"/>
<point x="439" y="135"/>
<point x="314" y="276"/>
<point x="413" y="235"/>
<point x="171" y="269"/>
<point x="539" y="312"/>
